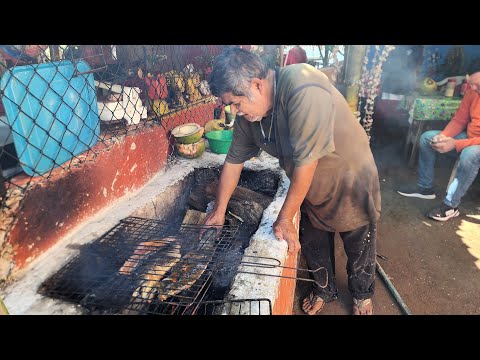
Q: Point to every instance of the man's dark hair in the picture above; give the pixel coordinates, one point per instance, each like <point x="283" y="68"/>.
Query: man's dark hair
<point x="233" y="70"/>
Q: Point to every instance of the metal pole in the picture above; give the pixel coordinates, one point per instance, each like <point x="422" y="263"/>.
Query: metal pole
<point x="392" y="289"/>
<point x="282" y="49"/>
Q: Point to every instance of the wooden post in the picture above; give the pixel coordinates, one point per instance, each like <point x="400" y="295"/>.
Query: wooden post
<point x="353" y="73"/>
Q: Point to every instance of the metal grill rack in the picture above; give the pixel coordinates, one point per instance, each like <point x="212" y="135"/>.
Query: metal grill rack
<point x="234" y="307"/>
<point x="144" y="266"/>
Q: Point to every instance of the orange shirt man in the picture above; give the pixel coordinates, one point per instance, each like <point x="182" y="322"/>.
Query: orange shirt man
<point x="461" y="134"/>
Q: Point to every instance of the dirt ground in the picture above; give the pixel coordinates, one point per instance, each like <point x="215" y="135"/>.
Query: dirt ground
<point x="434" y="266"/>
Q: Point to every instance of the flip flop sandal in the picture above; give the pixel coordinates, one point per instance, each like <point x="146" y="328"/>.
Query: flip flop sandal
<point x="312" y="300"/>
<point x="361" y="304"/>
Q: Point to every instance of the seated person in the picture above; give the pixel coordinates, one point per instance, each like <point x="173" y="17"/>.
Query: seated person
<point x="462" y="133"/>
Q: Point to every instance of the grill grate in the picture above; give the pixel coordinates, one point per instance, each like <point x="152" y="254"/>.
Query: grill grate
<point x="145" y="266"/>
<point x="235" y="307"/>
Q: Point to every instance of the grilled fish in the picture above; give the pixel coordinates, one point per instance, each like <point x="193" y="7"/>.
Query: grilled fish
<point x="142" y="251"/>
<point x="151" y="275"/>
<point x="190" y="269"/>
<point x="155" y="273"/>
<point x="183" y="275"/>
<point x="184" y="272"/>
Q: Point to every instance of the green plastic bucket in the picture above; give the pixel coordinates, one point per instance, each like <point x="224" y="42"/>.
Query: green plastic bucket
<point x="220" y="140"/>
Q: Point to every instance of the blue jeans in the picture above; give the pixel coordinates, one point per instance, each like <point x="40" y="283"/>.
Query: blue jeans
<point x="466" y="172"/>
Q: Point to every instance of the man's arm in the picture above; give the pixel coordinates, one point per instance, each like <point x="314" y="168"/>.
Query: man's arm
<point x="463" y="143"/>
<point x="444" y="141"/>
<point x="460" y="119"/>
<point x="446" y="144"/>
<point x="228" y="182"/>
<point x="284" y="227"/>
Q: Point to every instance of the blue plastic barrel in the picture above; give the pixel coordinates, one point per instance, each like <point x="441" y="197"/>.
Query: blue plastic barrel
<point x="52" y="112"/>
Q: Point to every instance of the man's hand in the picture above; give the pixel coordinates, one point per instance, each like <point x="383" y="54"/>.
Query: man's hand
<point x="215" y="218"/>
<point x="284" y="229"/>
<point x="438" y="138"/>
<point x="228" y="181"/>
<point x="443" y="144"/>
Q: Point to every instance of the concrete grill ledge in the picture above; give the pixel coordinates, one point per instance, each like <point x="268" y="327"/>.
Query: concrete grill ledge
<point x="21" y="296"/>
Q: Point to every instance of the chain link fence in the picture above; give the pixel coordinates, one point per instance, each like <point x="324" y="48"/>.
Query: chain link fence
<point x="59" y="101"/>
<point x="62" y="105"/>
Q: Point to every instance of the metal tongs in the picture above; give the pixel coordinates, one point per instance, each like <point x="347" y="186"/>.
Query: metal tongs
<point x="275" y="263"/>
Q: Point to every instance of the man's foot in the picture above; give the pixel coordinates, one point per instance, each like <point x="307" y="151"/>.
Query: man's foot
<point x="313" y="304"/>
<point x="416" y="191"/>
<point x="362" y="307"/>
<point x="443" y="212"/>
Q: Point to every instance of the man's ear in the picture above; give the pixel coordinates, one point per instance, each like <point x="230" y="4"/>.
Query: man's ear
<point x="258" y="84"/>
